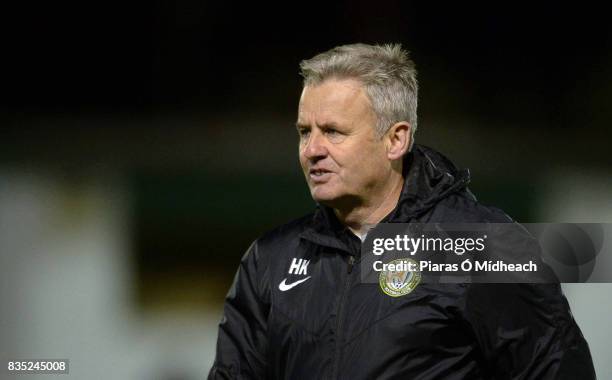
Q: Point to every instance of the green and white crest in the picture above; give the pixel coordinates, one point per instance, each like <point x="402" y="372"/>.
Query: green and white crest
<point x="399" y="282"/>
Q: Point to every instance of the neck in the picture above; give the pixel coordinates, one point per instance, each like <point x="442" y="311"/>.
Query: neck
<point x="359" y="217"/>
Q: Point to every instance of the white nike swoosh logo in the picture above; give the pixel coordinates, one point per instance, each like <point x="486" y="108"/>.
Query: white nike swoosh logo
<point x="284" y="287"/>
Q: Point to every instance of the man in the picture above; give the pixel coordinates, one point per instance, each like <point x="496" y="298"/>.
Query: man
<point x="297" y="308"/>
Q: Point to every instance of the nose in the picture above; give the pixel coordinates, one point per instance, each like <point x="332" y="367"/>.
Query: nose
<point x="315" y="148"/>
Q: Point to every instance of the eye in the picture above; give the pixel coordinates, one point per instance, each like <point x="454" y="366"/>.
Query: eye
<point x="303" y="132"/>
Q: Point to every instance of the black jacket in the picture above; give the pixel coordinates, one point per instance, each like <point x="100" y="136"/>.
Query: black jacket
<point x="318" y="321"/>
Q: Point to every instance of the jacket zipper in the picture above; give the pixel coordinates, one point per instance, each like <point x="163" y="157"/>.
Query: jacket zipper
<point x="336" y="361"/>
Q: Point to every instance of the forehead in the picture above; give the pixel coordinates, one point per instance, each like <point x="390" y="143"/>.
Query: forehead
<point x="334" y="100"/>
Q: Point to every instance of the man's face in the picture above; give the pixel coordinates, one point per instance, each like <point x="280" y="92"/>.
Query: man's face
<point x="341" y="156"/>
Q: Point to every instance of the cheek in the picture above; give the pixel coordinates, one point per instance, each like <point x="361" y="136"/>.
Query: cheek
<point x="372" y="169"/>
<point x="303" y="160"/>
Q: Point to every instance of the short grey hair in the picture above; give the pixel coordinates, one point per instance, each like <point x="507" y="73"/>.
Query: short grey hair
<point x="386" y="72"/>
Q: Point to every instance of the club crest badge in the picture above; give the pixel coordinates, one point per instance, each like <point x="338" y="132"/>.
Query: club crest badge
<point x="398" y="283"/>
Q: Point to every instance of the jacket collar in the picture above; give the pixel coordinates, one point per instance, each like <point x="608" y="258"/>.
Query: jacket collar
<point x="429" y="177"/>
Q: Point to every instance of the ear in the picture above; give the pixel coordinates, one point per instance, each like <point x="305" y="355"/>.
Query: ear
<point x="398" y="140"/>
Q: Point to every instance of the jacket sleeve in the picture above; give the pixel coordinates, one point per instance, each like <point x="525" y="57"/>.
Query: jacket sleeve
<point x="526" y="331"/>
<point x="242" y="339"/>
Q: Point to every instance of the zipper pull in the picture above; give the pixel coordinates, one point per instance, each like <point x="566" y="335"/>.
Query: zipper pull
<point x="351" y="262"/>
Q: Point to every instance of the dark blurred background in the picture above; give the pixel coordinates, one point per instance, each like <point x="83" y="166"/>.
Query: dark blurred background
<point x="167" y="129"/>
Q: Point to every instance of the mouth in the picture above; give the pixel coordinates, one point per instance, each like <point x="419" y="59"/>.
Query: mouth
<point x="319" y="175"/>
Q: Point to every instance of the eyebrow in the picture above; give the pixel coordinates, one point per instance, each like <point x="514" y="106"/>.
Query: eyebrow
<point x="333" y="125"/>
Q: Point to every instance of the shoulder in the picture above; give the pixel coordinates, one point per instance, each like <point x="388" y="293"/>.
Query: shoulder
<point x="464" y="208"/>
<point x="281" y="239"/>
<point x="286" y="232"/>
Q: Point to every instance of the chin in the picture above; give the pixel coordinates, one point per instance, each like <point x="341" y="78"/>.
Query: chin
<point x="324" y="196"/>
<point x="324" y="199"/>
<point x="333" y="199"/>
